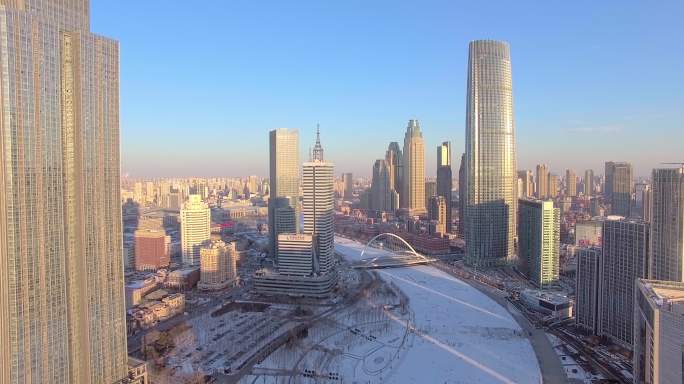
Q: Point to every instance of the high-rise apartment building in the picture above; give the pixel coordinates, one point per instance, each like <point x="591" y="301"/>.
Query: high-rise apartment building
<point x="589" y="182"/>
<point x="625" y="258"/>
<point x="587" y="285"/>
<point x="318" y="206"/>
<point x="542" y="181"/>
<point x="658" y="332"/>
<point x="283" y="180"/>
<point x="526" y="181"/>
<point x="62" y="311"/>
<point x="491" y="212"/>
<point x="381" y="188"/>
<point x="444" y="178"/>
<point x="414" y="170"/>
<point x="218" y="265"/>
<point x="348" y="182"/>
<point x="570" y="183"/>
<point x="667" y="225"/>
<point x="619" y="186"/>
<point x="195" y="223"/>
<point x="539" y="240"/>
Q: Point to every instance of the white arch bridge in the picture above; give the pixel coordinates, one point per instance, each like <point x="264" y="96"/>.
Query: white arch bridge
<point x="389" y="251"/>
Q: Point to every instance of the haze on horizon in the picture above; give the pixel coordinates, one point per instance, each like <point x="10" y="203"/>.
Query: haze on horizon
<point x="200" y="90"/>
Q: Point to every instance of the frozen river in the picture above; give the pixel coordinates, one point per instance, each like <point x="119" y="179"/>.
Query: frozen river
<point x="462" y="336"/>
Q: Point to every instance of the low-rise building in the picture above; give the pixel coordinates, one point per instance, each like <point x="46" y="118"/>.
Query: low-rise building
<point x="554" y="304"/>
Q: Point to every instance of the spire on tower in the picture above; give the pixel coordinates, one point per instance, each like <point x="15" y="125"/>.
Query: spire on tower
<point x="317" y="153"/>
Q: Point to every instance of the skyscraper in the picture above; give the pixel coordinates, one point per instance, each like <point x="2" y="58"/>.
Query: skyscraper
<point x="437" y="214"/>
<point x="444" y="178"/>
<point x="462" y="191"/>
<point x="570" y="183"/>
<point x="646" y="202"/>
<point x="430" y="190"/>
<point x="395" y="161"/>
<point x="625" y="258"/>
<point x="195" y="223"/>
<point x="381" y="198"/>
<point x="667" y="225"/>
<point x="414" y="170"/>
<point x="527" y="183"/>
<point x="619" y="186"/>
<point x="553" y="186"/>
<point x="318" y="206"/>
<point x="542" y="181"/>
<point x="62" y="311"/>
<point x="588" y="182"/>
<point x="284" y="179"/>
<point x="490" y="155"/>
<point x="348" y="181"/>
<point x="539" y="240"/>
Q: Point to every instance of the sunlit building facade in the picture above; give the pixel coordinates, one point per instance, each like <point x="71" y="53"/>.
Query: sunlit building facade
<point x="413" y="195"/>
<point x="284" y="180"/>
<point x="195" y="223"/>
<point x="491" y="209"/>
<point x="62" y="310"/>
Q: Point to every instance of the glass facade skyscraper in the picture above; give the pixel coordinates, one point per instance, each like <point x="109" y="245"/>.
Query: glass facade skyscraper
<point x="667" y="225"/>
<point x="62" y="312"/>
<point x="284" y="181"/>
<point x="490" y="156"/>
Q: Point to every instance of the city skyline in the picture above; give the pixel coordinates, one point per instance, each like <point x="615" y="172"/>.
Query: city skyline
<point x="555" y="115"/>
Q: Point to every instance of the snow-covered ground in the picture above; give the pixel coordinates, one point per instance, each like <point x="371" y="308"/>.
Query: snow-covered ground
<point x="574" y="371"/>
<point x="462" y="336"/>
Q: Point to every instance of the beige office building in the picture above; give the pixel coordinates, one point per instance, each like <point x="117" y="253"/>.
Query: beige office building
<point x="413" y="195"/>
<point x="195" y="228"/>
<point x="570" y="183"/>
<point x="62" y="311"/>
<point x="542" y="181"/>
<point x="658" y="332"/>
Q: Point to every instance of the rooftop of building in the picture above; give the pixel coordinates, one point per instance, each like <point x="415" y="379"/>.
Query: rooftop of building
<point x="666" y="295"/>
<point x="550" y="297"/>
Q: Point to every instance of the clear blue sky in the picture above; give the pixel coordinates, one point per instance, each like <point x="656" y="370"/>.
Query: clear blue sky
<point x="202" y="82"/>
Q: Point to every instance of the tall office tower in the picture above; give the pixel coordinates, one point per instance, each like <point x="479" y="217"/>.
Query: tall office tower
<point x="667" y="225"/>
<point x="491" y="156"/>
<point x="587" y="289"/>
<point x="297" y="254"/>
<point x="414" y="170"/>
<point x="588" y="182"/>
<point x="395" y="162"/>
<point x="625" y="258"/>
<point x="283" y="179"/>
<point x="462" y="191"/>
<point x="570" y="183"/>
<point x="218" y="265"/>
<point x="646" y="202"/>
<point x="437" y="213"/>
<point x="318" y="205"/>
<point x="195" y="223"/>
<point x="430" y="190"/>
<point x="348" y="181"/>
<point x="527" y="183"/>
<point x="284" y="215"/>
<point x="542" y="181"/>
<point x="539" y="240"/>
<point x="658" y="332"/>
<point x="444" y="178"/>
<point x="553" y="186"/>
<point x="381" y="199"/>
<point x="619" y="186"/>
<point x="62" y="311"/>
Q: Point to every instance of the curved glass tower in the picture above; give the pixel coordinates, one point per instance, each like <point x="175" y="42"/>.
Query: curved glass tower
<point x="490" y="156"/>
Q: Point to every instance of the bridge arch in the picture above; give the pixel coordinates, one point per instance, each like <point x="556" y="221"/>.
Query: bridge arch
<point x="413" y="251"/>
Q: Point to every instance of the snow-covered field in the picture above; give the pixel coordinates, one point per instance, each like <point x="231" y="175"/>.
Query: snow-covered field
<point x="462" y="336"/>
